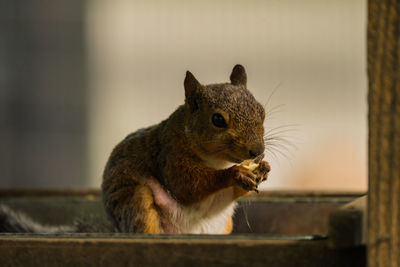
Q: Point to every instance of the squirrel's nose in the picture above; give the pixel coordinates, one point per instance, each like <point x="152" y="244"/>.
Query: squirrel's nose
<point x="256" y="150"/>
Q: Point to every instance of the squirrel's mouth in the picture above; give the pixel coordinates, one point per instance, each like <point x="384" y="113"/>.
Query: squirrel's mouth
<point x="234" y="159"/>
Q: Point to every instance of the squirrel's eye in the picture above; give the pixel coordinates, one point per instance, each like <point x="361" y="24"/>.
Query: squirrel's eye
<point x="218" y="120"/>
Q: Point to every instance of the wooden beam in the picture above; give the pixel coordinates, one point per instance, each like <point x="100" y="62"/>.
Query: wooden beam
<point x="348" y="224"/>
<point x="164" y="250"/>
<point x="384" y="133"/>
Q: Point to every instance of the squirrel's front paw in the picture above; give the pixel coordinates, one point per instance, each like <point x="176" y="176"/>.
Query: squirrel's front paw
<point x="244" y="178"/>
<point x="262" y="171"/>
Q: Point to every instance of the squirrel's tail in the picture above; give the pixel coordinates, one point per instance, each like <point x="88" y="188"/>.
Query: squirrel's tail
<point x="16" y="222"/>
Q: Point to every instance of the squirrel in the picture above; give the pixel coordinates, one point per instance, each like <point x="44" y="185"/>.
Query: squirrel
<point x="184" y="174"/>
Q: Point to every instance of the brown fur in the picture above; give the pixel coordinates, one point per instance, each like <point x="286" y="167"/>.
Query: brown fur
<point x="229" y="226"/>
<point x="171" y="152"/>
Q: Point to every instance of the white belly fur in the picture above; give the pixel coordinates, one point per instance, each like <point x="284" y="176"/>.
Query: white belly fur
<point x="210" y="216"/>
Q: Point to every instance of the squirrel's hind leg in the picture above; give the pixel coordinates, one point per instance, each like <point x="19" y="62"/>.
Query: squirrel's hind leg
<point x="147" y="211"/>
<point x="131" y="207"/>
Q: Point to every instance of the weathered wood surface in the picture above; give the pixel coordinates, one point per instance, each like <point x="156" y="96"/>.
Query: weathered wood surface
<point x="194" y="251"/>
<point x="264" y="213"/>
<point x="384" y="133"/>
<point x="282" y="234"/>
<point x="348" y="224"/>
<point x="293" y="194"/>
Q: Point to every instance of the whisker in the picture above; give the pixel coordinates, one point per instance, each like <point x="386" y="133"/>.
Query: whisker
<point x="283" y="135"/>
<point x="271" y="153"/>
<point x="277" y="145"/>
<point x="245" y="211"/>
<point x="282" y="140"/>
<point x="272" y="93"/>
<point x="279" y="141"/>
<point x="274" y="150"/>
<point x="282" y="127"/>
<point x="273" y="110"/>
<point x="282" y="151"/>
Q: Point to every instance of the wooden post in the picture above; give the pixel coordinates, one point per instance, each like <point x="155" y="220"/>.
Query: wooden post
<point x="384" y="133"/>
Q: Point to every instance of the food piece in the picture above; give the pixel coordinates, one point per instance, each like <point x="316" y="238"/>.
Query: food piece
<point x="249" y="164"/>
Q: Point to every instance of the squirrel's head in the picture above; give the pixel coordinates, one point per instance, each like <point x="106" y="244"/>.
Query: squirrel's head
<point x="224" y="121"/>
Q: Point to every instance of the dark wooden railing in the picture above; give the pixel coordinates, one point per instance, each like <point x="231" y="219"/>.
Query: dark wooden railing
<point x="384" y="133"/>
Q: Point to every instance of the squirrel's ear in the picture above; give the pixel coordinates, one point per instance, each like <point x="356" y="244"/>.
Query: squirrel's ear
<point x="192" y="88"/>
<point x="191" y="84"/>
<point x="238" y="76"/>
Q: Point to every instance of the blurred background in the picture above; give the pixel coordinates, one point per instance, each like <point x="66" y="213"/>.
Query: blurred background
<point x="77" y="76"/>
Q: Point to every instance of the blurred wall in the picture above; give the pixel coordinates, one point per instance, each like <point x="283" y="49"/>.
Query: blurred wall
<point x="305" y="59"/>
<point x="43" y="119"/>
